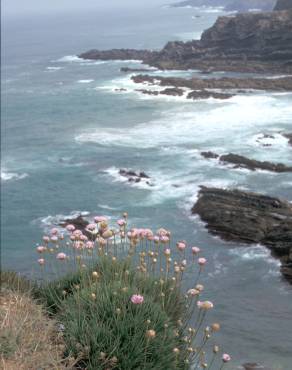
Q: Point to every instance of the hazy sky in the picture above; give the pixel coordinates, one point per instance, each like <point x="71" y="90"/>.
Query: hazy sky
<point x="18" y="7"/>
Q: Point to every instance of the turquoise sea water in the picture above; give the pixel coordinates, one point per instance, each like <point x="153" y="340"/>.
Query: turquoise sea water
<point x="66" y="132"/>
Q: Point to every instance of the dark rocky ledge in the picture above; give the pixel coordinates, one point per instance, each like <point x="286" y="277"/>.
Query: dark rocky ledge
<point x="230" y="83"/>
<point x="248" y="42"/>
<point x="250" y="218"/>
<point x="289" y="137"/>
<point x="132" y="70"/>
<point x="240" y="161"/>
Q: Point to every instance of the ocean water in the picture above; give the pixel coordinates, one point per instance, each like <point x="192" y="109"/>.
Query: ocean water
<point x="66" y="132"/>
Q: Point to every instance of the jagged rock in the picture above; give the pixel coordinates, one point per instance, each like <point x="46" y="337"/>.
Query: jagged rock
<point x="249" y="218"/>
<point x="246" y="42"/>
<point x="204" y="94"/>
<point x="172" y="91"/>
<point x="135" y="177"/>
<point x="230" y="83"/>
<point x="80" y="224"/>
<point x="240" y="161"/>
<point x="209" y="155"/>
<point x="289" y="137"/>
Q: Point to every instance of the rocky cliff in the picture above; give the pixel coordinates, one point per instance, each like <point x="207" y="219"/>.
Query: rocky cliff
<point x="283" y="5"/>
<point x="247" y="42"/>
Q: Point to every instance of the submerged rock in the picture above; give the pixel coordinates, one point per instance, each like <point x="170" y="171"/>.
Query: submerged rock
<point x="135" y="177"/>
<point x="248" y="217"/>
<point x="204" y="94"/>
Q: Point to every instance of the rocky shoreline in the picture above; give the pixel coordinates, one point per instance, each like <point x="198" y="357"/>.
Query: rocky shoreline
<point x="249" y="42"/>
<point x="249" y="218"/>
<point x="226" y="83"/>
<point x="239" y="161"/>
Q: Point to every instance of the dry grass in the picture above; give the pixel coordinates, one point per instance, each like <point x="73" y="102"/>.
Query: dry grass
<point x="28" y="339"/>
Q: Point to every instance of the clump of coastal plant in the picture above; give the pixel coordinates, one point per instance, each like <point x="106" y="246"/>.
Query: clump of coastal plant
<point x="119" y="297"/>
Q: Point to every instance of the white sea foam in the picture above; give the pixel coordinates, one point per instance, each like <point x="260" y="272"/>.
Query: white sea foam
<point x="70" y="59"/>
<point x="54" y="68"/>
<point x="50" y="221"/>
<point x="269" y="139"/>
<point x="85" y="81"/>
<point x="253" y="253"/>
<point x="7" y="176"/>
<point x="183" y="124"/>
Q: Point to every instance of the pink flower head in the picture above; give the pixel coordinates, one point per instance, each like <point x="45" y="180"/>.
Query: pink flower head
<point x="54" y="238"/>
<point x="77" y="233"/>
<point x="193" y="292"/>
<point x="61" y="256"/>
<point x="83" y="238"/>
<point x="46" y="239"/>
<point x="70" y="228"/>
<point x="41" y="249"/>
<point x="41" y="261"/>
<point x="164" y="239"/>
<point x="137" y="299"/>
<point x="89" y="245"/>
<point x="202" y="261"/>
<point x="181" y="246"/>
<point x="91" y="227"/>
<point x="72" y="237"/>
<point x="99" y="219"/>
<point x="54" y="231"/>
<point x="162" y="232"/>
<point x="121" y="222"/>
<point x="226" y="357"/>
<point x="167" y="252"/>
<point x="196" y="250"/>
<point x="149" y="233"/>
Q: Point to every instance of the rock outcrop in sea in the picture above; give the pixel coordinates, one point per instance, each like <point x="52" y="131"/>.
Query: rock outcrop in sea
<point x="239" y="161"/>
<point x="250" y="218"/>
<point x="247" y="42"/>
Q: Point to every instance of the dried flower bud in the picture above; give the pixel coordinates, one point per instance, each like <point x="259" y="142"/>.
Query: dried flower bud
<point x="150" y="334"/>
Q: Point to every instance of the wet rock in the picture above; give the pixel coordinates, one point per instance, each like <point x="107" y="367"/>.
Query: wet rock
<point x="230" y="83"/>
<point x="250" y="42"/>
<point x="289" y="137"/>
<point x="121" y="89"/>
<point x="80" y="224"/>
<point x="172" y="91"/>
<point x="209" y="155"/>
<point x="204" y="94"/>
<point x="247" y="217"/>
<point x="240" y="161"/>
<point x="135" y="177"/>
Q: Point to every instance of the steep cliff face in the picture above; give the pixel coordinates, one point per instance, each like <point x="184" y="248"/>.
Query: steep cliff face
<point x="283" y="5"/>
<point x="258" y="35"/>
<point x="246" y="42"/>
